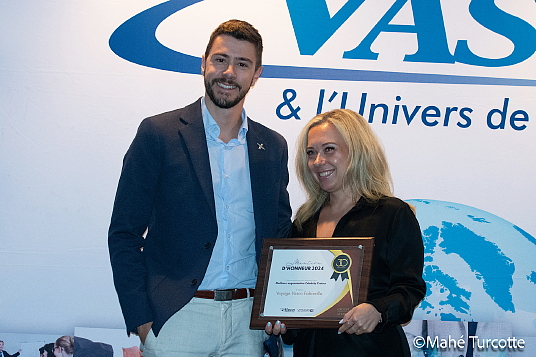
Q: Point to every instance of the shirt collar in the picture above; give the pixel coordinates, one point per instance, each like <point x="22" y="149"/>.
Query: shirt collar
<point x="212" y="129"/>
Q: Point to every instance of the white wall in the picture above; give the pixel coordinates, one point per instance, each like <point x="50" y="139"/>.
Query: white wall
<point x="69" y="108"/>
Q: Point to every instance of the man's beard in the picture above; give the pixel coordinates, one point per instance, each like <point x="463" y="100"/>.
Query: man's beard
<point x="223" y="102"/>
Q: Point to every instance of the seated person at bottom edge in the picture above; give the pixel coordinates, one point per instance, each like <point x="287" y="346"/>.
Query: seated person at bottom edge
<point x="5" y="354"/>
<point x="47" y="350"/>
<point x="343" y="169"/>
<point x="64" y="346"/>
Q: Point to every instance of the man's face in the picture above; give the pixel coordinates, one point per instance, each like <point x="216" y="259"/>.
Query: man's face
<point x="229" y="71"/>
<point x="1" y="346"/>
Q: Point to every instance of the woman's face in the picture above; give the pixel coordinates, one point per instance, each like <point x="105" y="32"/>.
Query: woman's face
<point x="328" y="157"/>
<point x="57" y="351"/>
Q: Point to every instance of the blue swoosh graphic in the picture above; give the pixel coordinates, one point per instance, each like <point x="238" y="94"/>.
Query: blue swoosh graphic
<point x="135" y="41"/>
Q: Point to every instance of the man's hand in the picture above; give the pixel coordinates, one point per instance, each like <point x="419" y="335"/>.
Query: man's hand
<point x="361" y="319"/>
<point x="143" y="331"/>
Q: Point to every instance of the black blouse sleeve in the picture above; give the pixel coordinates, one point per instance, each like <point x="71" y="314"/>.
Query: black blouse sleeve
<point x="403" y="260"/>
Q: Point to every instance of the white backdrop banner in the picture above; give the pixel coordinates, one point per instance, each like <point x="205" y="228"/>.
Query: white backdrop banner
<point x="449" y="87"/>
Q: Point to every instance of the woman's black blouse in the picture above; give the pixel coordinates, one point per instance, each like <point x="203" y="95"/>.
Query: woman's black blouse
<point x="396" y="286"/>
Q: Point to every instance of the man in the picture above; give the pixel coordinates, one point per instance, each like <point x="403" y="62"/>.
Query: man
<point x="206" y="185"/>
<point x="4" y="353"/>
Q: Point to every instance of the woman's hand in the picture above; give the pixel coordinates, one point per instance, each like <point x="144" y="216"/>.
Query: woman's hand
<point x="276" y="329"/>
<point x="361" y="319"/>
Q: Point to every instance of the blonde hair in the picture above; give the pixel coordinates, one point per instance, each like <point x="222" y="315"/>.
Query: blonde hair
<point x="367" y="174"/>
<point x="67" y="343"/>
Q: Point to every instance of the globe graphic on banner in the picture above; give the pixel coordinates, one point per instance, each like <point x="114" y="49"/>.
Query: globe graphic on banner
<point x="478" y="267"/>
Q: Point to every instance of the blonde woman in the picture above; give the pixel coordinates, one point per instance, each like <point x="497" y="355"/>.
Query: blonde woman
<point x="64" y="346"/>
<point x="343" y="169"/>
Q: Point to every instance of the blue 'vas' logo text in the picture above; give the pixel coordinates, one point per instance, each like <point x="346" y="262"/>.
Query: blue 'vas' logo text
<point x="135" y="41"/>
<point x="313" y="26"/>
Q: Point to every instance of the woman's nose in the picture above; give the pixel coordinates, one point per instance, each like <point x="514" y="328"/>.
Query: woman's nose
<point x="319" y="159"/>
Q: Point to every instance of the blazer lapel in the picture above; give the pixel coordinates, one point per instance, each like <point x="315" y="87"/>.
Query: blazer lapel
<point x="258" y="152"/>
<point x="192" y="131"/>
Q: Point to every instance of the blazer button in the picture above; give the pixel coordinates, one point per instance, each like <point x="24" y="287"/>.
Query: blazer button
<point x="207" y="245"/>
<point x="194" y="282"/>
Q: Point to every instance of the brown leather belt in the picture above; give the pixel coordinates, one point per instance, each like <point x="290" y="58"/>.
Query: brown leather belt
<point x="225" y="295"/>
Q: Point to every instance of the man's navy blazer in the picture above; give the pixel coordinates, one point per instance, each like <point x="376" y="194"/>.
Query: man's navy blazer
<point x="165" y="193"/>
<point x="5" y="354"/>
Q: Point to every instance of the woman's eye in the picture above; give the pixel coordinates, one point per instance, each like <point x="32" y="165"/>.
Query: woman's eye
<point x="329" y="148"/>
<point x="309" y="152"/>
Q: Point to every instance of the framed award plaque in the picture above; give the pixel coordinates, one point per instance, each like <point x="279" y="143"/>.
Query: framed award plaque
<point x="311" y="282"/>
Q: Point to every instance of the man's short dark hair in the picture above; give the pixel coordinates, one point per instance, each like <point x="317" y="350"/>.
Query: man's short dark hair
<point x="241" y="30"/>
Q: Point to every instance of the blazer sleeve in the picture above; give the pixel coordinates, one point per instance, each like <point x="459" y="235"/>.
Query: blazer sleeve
<point x="13" y="355"/>
<point x="130" y="218"/>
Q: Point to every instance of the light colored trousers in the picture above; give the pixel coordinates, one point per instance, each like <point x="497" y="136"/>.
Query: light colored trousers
<point x="206" y="327"/>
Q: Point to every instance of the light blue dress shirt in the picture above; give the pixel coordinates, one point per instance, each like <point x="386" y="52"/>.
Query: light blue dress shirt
<point x="233" y="262"/>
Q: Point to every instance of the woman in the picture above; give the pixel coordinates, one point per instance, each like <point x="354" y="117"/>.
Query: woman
<point x="343" y="169"/>
<point x="64" y="347"/>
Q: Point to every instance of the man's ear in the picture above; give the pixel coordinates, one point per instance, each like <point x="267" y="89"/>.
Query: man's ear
<point x="203" y="64"/>
<point x="256" y="76"/>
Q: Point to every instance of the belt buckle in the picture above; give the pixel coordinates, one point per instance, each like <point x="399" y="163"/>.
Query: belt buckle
<point x="223" y="295"/>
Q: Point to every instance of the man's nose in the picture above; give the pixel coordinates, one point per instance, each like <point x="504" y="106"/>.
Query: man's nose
<point x="229" y="71"/>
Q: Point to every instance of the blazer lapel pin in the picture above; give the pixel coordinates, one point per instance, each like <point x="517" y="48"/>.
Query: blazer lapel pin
<point x="261" y="146"/>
